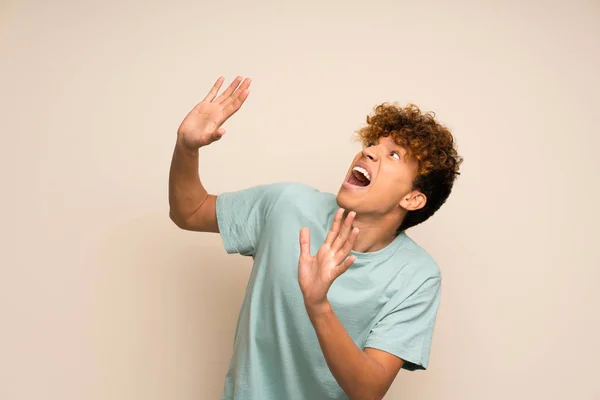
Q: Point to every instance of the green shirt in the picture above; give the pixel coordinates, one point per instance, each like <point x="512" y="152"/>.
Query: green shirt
<point x="387" y="299"/>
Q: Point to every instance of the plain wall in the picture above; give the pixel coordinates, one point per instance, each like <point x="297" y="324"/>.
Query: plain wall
<point x="103" y="297"/>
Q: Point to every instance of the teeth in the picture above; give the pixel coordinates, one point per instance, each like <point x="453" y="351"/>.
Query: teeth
<point x="363" y="171"/>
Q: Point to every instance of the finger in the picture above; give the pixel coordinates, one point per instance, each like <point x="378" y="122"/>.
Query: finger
<point x="304" y="242"/>
<point x="335" y="226"/>
<point x="215" y="89"/>
<point x="238" y="92"/>
<point x="344" y="232"/>
<point x="233" y="106"/>
<point x="345" y="265"/>
<point x="349" y="245"/>
<point x="229" y="90"/>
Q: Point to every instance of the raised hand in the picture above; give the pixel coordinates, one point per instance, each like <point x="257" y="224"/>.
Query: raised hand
<point x="317" y="273"/>
<point x="202" y="125"/>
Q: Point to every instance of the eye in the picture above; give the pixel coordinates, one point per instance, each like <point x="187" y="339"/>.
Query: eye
<point x="395" y="154"/>
<point x="369" y="144"/>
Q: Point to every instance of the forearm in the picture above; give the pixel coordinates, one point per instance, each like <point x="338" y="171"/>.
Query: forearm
<point x="358" y="375"/>
<point x="186" y="193"/>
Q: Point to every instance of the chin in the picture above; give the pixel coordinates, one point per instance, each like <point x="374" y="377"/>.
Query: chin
<point x="347" y="199"/>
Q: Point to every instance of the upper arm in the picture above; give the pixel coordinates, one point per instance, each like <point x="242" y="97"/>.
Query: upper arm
<point x="390" y="364"/>
<point x="238" y="216"/>
<point x="204" y="219"/>
<point x="407" y="330"/>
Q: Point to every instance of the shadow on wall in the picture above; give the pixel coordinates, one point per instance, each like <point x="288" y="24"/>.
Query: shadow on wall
<point x="165" y="306"/>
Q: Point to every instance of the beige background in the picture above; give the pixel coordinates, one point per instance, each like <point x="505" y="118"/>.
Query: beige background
<point x="102" y="297"/>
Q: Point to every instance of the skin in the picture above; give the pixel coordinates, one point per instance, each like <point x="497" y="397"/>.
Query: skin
<point x="191" y="206"/>
<point x="367" y="221"/>
<point x="362" y="374"/>
<point x="381" y="206"/>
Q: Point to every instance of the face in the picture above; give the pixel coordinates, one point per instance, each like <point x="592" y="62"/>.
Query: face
<point x="379" y="181"/>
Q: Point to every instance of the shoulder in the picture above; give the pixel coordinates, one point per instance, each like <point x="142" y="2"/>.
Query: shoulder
<point x="287" y="188"/>
<point x="277" y="195"/>
<point x="419" y="261"/>
<point x="304" y="204"/>
<point x="270" y="192"/>
<point x="297" y="192"/>
<point x="291" y="187"/>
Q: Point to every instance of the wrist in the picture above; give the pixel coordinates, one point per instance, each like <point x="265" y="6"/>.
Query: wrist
<point x="180" y="145"/>
<point x="317" y="310"/>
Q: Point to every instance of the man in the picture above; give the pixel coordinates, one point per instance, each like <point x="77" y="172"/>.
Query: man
<point x="339" y="298"/>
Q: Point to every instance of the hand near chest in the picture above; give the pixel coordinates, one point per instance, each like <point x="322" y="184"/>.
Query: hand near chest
<point x="317" y="272"/>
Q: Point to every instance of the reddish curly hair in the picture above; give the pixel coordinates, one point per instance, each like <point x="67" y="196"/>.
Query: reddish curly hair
<point x="427" y="141"/>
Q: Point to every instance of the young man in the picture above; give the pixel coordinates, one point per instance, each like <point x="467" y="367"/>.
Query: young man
<point x="339" y="298"/>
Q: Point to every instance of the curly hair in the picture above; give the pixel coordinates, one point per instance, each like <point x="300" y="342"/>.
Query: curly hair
<point x="429" y="142"/>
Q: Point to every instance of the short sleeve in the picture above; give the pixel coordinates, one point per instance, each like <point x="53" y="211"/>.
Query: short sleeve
<point x="241" y="216"/>
<point x="407" y="331"/>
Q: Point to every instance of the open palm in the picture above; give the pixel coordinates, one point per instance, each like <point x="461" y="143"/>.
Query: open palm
<point x="202" y="125"/>
<point x="317" y="273"/>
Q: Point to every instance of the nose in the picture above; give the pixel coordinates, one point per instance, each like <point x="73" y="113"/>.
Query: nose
<point x="370" y="153"/>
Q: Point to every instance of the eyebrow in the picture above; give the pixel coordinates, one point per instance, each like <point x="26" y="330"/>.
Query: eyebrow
<point x="401" y="149"/>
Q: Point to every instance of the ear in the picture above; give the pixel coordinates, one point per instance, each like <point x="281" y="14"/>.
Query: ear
<point x="413" y="201"/>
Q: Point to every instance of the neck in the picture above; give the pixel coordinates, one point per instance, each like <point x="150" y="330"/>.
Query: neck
<point x="376" y="232"/>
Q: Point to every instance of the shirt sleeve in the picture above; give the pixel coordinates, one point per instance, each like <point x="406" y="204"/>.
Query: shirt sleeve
<point x="241" y="216"/>
<point x="407" y="331"/>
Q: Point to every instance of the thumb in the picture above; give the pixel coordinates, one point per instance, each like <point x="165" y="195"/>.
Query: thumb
<point x="218" y="133"/>
<point x="304" y="242"/>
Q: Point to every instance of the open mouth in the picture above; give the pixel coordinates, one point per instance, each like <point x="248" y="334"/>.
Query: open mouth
<point x="359" y="177"/>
